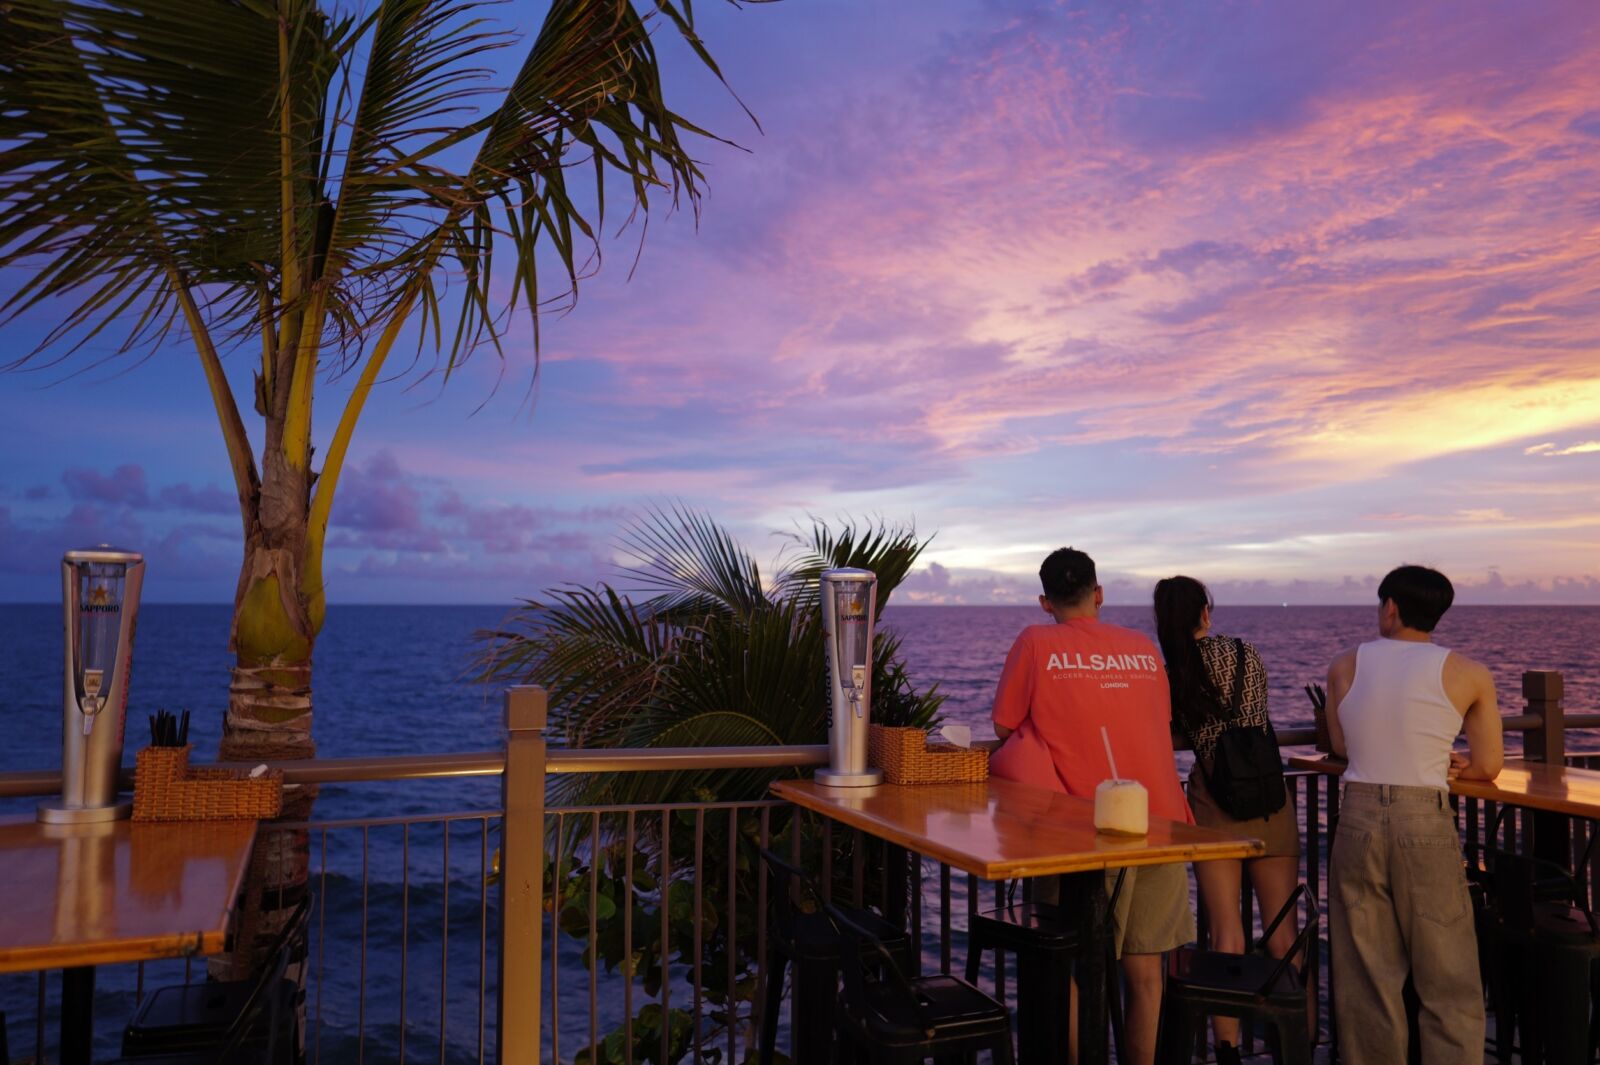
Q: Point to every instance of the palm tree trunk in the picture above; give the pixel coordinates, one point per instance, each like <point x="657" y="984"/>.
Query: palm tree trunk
<point x="269" y="705"/>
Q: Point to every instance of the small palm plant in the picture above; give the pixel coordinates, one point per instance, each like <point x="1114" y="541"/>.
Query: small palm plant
<point x="711" y="655"/>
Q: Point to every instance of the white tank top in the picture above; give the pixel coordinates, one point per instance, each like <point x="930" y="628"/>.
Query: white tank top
<point x="1399" y="724"/>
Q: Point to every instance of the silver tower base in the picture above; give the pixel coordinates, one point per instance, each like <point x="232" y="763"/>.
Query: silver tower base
<point x="865" y="779"/>
<point x="56" y="812"/>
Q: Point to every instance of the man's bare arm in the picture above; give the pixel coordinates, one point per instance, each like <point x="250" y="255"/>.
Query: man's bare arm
<point x="1485" y="737"/>
<point x="1341" y="674"/>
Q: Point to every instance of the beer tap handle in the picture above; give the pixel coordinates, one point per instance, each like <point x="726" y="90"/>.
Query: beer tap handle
<point x="93" y="679"/>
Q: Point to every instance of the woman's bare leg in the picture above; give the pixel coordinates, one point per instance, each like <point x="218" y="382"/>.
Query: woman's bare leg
<point x="1219" y="884"/>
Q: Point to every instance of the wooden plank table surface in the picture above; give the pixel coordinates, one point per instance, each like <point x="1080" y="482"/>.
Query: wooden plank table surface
<point x="1557" y="789"/>
<point x="80" y="895"/>
<point x="1002" y="829"/>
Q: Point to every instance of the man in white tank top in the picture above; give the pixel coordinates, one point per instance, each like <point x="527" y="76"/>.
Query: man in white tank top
<point x="1398" y="902"/>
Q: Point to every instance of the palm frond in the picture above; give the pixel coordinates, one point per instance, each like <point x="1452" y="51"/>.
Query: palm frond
<point x="889" y="551"/>
<point x="134" y="144"/>
<point x="690" y="564"/>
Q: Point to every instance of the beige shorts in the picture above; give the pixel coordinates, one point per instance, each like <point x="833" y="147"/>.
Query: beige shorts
<point x="1152" y="914"/>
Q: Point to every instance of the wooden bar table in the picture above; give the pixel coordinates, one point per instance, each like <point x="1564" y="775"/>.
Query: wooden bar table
<point x="1002" y="829"/>
<point x="77" y="896"/>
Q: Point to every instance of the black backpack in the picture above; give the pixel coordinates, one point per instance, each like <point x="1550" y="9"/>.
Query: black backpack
<point x="1246" y="774"/>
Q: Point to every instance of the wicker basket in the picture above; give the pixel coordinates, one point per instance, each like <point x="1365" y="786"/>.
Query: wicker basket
<point x="907" y="756"/>
<point x="166" y="789"/>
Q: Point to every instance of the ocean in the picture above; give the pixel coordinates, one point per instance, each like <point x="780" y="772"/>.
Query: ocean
<point x="392" y="680"/>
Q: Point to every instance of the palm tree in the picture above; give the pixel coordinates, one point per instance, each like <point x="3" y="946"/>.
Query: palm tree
<point x="280" y="176"/>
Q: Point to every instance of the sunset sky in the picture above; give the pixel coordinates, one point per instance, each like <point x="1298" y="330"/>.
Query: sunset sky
<point x="1275" y="294"/>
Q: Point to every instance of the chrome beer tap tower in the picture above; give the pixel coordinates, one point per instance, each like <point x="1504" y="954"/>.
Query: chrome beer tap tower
<point x="849" y="610"/>
<point x="100" y="590"/>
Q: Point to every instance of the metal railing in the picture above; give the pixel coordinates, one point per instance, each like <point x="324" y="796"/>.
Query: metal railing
<point x="433" y="940"/>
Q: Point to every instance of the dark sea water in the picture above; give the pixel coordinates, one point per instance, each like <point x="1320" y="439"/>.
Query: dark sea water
<point x="395" y="680"/>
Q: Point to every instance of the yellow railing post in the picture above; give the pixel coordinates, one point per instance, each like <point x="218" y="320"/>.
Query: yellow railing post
<point x="522" y="876"/>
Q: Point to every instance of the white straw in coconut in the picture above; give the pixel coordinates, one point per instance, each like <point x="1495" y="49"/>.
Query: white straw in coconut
<point x="1106" y="738"/>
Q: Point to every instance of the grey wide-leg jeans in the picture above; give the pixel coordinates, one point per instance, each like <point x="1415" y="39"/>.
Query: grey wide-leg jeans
<point x="1398" y="906"/>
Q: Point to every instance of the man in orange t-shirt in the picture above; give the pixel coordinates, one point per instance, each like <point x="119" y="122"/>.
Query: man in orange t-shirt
<point x="1062" y="683"/>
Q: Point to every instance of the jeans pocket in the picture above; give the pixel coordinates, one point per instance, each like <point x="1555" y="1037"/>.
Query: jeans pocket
<point x="1436" y="878"/>
<point x="1347" y="864"/>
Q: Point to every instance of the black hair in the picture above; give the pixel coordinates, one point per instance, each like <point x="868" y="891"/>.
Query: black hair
<point x="1067" y="576"/>
<point x="1179" y="602"/>
<point x="1422" y="595"/>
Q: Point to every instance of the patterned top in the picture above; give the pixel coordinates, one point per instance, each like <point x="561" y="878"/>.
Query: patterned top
<point x="1221" y="660"/>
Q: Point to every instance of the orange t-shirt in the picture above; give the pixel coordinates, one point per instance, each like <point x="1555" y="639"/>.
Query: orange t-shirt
<point x="1070" y="679"/>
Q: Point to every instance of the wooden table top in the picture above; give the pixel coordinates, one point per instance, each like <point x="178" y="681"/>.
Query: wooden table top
<point x="1002" y="829"/>
<point x="117" y="891"/>
<point x="1537" y="785"/>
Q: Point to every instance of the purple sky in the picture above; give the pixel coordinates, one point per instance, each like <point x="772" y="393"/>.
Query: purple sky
<point x="1278" y="295"/>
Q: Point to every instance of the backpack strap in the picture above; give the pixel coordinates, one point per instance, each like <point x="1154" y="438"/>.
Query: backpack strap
<point x="1236" y="704"/>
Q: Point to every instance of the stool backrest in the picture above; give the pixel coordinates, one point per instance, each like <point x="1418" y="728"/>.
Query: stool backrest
<point x="1302" y="941"/>
<point x="864" y="959"/>
<point x="262" y="1001"/>
<point x="793" y="892"/>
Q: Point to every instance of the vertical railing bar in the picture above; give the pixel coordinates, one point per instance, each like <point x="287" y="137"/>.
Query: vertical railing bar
<point x="188" y="970"/>
<point x="138" y="989"/>
<point x="1312" y="802"/>
<point x="444" y="950"/>
<point x="627" y="943"/>
<point x="1333" y="822"/>
<point x="594" y="935"/>
<point x="731" y="937"/>
<point x="883" y="878"/>
<point x="556" y="879"/>
<point x="759" y="1003"/>
<point x="483" y="928"/>
<point x="666" y="969"/>
<point x="405" y="930"/>
<point x="699" y="922"/>
<point x="38" y="1024"/>
<point x="944" y="918"/>
<point x="858" y="866"/>
<point x="972" y="912"/>
<point x="796" y="830"/>
<point x="916" y="911"/>
<point x="999" y="953"/>
<point x="827" y="859"/>
<point x="361" y="1000"/>
<point x="322" y="938"/>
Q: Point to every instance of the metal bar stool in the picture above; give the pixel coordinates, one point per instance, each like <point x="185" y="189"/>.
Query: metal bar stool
<point x="1257" y="986"/>
<point x="801" y="934"/>
<point x="1548" y="949"/>
<point x="1045" y="943"/>
<point x="223" y="1021"/>
<point x="889" y="1018"/>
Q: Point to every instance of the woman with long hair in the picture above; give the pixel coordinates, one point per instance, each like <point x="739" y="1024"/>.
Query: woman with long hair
<point x="1201" y="668"/>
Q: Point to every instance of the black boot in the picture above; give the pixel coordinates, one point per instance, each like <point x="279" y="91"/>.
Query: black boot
<point x="1227" y="1054"/>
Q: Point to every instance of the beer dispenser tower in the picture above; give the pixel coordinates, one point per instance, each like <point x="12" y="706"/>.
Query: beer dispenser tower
<point x="849" y="607"/>
<point x="100" y="589"/>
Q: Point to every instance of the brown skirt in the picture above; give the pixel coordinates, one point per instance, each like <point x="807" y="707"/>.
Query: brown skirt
<point x="1279" y="831"/>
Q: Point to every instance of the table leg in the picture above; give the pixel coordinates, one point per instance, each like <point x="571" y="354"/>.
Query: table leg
<point x="77" y="1015"/>
<point x="1084" y="896"/>
<point x="1041" y="1008"/>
